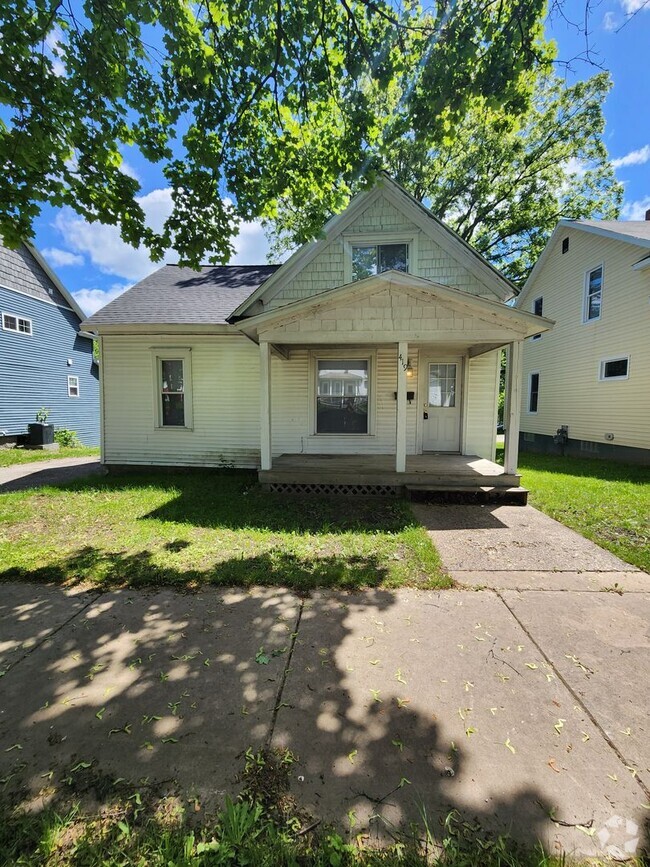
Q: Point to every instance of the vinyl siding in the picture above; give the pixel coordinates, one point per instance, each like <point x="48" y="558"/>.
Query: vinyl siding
<point x="568" y="358"/>
<point x="22" y="273"/>
<point x="34" y="369"/>
<point x="428" y="259"/>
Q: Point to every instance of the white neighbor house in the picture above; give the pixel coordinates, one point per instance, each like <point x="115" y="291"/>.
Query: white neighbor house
<point x="591" y="373"/>
<point x="370" y="358"/>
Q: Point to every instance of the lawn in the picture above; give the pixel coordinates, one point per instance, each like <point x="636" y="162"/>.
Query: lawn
<point x="10" y="457"/>
<point x="210" y="527"/>
<point x="605" y="501"/>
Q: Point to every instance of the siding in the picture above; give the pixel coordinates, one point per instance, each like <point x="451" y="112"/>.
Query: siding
<point x="21" y="272"/>
<point x="34" y="370"/>
<point x="568" y="358"/>
<point x="481" y="405"/>
<point x="327" y="269"/>
<point x="225" y="396"/>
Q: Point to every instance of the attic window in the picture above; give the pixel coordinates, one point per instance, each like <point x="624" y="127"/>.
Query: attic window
<point x="371" y="259"/>
<point x="565" y="245"/>
<point x="12" y="322"/>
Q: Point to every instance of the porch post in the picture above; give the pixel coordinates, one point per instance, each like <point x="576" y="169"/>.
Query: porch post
<point x="265" y="405"/>
<point x="513" y="406"/>
<point x="400" y="439"/>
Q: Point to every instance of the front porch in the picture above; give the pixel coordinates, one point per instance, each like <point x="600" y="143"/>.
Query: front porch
<point x="426" y="474"/>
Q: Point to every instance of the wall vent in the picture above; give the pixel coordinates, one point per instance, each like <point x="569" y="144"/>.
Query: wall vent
<point x="586" y="446"/>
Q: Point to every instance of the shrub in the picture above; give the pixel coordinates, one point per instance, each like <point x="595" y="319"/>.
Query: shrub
<point x="67" y="438"/>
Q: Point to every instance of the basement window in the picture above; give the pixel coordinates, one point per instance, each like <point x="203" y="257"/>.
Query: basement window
<point x="615" y="368"/>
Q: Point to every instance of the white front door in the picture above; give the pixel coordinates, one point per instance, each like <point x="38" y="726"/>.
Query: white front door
<point x="441" y="424"/>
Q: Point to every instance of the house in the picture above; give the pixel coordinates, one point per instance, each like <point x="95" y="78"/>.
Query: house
<point x="46" y="360"/>
<point x="586" y="382"/>
<point x="367" y="361"/>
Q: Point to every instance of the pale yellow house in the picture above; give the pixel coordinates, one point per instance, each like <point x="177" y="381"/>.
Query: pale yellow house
<point x="591" y="374"/>
<point x="369" y="360"/>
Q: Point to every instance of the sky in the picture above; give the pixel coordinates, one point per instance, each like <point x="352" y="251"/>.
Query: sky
<point x="96" y="266"/>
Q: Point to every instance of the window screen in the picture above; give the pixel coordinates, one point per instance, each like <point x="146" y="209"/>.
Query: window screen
<point x="172" y="392"/>
<point x="342" y="396"/>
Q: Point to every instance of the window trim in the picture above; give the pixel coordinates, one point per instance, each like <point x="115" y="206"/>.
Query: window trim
<point x="184" y="354"/>
<point x="585" y="295"/>
<point x="368" y="355"/>
<point x="604" y="361"/>
<point x="533" y="373"/>
<point x="374" y="238"/>
<point x="71" y="386"/>
<point x="18" y="319"/>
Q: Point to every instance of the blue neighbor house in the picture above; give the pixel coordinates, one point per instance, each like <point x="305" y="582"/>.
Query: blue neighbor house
<point x="45" y="359"/>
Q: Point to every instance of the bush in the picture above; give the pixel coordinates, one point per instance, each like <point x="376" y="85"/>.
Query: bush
<point x="67" y="438"/>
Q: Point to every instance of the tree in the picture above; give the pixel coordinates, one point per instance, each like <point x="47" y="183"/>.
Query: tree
<point x="503" y="179"/>
<point x="269" y="101"/>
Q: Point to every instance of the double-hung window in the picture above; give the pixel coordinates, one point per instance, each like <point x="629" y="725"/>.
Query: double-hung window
<point x="593" y="294"/>
<point x="173" y="389"/>
<point x="73" y="386"/>
<point x="342" y="392"/>
<point x="371" y="259"/>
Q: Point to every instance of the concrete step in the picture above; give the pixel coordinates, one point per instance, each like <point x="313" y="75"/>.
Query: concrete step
<point x="514" y="496"/>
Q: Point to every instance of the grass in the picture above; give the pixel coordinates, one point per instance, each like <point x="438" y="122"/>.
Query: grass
<point x="604" y="501"/>
<point x="210" y="527"/>
<point x="265" y="827"/>
<point x="20" y="455"/>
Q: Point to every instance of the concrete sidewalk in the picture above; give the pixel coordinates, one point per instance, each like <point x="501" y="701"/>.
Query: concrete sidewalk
<point x="523" y="711"/>
<point x="59" y="471"/>
<point x="520" y="548"/>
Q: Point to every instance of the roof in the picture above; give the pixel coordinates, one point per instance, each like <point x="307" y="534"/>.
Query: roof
<point x="174" y="295"/>
<point x="634" y="230"/>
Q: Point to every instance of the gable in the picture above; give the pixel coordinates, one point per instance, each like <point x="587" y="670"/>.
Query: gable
<point x="390" y="311"/>
<point x="385" y="214"/>
<point x="20" y="271"/>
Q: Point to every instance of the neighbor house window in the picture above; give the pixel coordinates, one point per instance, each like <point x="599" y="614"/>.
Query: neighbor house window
<point x="615" y="368"/>
<point x="12" y="322"/>
<point x="342" y="390"/>
<point x="370" y="259"/>
<point x="533" y="392"/>
<point x="73" y="386"/>
<point x="538" y="306"/>
<point x="593" y="294"/>
<point x="173" y="383"/>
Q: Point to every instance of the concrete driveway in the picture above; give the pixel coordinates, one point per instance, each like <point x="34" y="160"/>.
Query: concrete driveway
<point x="524" y="711"/>
<point x="57" y="471"/>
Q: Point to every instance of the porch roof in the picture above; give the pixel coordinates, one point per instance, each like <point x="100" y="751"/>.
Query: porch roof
<point x="498" y="322"/>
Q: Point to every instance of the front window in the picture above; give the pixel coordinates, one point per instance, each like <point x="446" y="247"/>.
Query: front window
<point x="342" y="396"/>
<point x="172" y="392"/>
<point x="371" y="259"/>
<point x="593" y="294"/>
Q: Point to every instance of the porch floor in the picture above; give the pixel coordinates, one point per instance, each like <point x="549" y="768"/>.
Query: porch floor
<point x="435" y="470"/>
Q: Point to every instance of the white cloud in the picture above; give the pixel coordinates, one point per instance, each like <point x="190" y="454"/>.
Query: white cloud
<point x="632" y="6"/>
<point x="128" y="170"/>
<point x="62" y="258"/>
<point x="91" y="300"/>
<point x="575" y="167"/>
<point x="634" y="158"/>
<point x="54" y="42"/>
<point x="108" y="252"/>
<point x="635" y="210"/>
<point x="610" y="21"/>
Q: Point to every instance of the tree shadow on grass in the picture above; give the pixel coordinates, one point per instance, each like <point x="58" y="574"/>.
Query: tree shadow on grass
<point x="160" y="693"/>
<point x="232" y="499"/>
<point x="275" y="568"/>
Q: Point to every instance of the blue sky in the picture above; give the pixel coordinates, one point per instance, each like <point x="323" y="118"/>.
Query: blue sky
<point x="96" y="265"/>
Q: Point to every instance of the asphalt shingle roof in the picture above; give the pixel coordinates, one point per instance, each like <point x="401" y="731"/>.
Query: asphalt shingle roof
<point x="180" y="296"/>
<point x="639" y="229"/>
